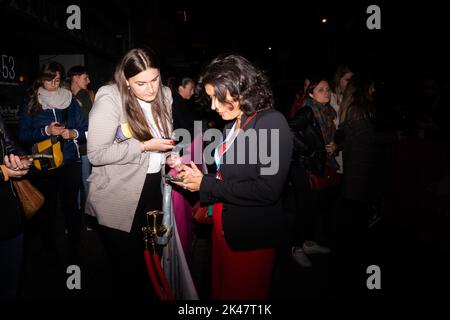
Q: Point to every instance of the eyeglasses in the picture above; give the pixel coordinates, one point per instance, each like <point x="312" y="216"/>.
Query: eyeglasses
<point x="54" y="81"/>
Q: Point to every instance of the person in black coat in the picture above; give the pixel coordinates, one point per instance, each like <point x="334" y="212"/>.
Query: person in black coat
<point x="309" y="156"/>
<point x="361" y="144"/>
<point x="183" y="112"/>
<point x="78" y="78"/>
<point x="361" y="187"/>
<point x="249" y="221"/>
<point x="314" y="150"/>
<point x="11" y="236"/>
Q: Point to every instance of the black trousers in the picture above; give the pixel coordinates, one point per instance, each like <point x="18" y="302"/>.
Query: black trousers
<point x="304" y="221"/>
<point x="351" y="248"/>
<point x="352" y="224"/>
<point x="60" y="211"/>
<point x="126" y="249"/>
<point x="314" y="209"/>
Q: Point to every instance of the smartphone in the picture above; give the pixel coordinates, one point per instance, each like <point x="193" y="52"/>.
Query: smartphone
<point x="36" y="156"/>
<point x="171" y="178"/>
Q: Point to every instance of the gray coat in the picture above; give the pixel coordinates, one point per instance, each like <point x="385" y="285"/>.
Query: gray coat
<point x="119" y="169"/>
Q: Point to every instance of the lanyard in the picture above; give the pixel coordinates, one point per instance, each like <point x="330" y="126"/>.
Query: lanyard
<point x="223" y="147"/>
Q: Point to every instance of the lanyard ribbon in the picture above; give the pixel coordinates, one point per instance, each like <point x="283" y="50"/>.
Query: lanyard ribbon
<point x="224" y="146"/>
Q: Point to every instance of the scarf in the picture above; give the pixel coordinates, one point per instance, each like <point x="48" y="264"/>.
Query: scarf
<point x="59" y="99"/>
<point x="325" y="115"/>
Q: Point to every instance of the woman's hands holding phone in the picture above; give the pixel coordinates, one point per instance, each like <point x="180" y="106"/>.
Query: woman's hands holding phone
<point x="55" y="129"/>
<point x="17" y="167"/>
<point x="192" y="177"/>
<point x="157" y="145"/>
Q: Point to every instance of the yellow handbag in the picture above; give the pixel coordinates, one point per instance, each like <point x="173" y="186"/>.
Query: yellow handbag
<point x="51" y="147"/>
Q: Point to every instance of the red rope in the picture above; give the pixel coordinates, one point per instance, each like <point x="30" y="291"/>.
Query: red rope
<point x="162" y="276"/>
<point x="164" y="293"/>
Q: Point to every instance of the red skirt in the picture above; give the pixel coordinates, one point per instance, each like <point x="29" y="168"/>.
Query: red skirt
<point x="243" y="275"/>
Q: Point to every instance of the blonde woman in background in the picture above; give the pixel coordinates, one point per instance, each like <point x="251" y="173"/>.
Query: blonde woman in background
<point x="341" y="78"/>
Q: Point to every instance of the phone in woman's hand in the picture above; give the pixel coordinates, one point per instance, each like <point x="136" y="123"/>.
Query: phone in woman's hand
<point x="170" y="178"/>
<point x="36" y="156"/>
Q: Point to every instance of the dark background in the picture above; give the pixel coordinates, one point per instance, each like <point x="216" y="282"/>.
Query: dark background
<point x="186" y="34"/>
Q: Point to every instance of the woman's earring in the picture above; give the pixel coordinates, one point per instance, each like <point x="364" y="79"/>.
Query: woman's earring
<point x="128" y="87"/>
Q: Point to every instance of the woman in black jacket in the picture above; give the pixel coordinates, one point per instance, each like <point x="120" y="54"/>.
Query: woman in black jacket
<point x="361" y="187"/>
<point x="249" y="221"/>
<point x="313" y="129"/>
<point x="363" y="149"/>
<point x="309" y="156"/>
<point x="361" y="152"/>
<point x="11" y="238"/>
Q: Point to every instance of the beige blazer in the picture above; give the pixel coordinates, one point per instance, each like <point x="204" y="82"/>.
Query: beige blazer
<point x="118" y="169"/>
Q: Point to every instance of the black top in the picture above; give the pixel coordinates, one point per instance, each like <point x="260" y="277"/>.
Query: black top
<point x="362" y="158"/>
<point x="10" y="217"/>
<point x="183" y="114"/>
<point x="253" y="216"/>
<point x="309" y="147"/>
<point x="84" y="99"/>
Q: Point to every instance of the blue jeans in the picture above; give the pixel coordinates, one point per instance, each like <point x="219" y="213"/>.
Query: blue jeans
<point x="85" y="172"/>
<point x="11" y="255"/>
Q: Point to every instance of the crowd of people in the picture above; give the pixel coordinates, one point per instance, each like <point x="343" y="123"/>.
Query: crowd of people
<point x="327" y="147"/>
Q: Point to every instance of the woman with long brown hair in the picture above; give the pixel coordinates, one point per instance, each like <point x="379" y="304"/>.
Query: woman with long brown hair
<point x="126" y="176"/>
<point x="362" y="186"/>
<point x="341" y="78"/>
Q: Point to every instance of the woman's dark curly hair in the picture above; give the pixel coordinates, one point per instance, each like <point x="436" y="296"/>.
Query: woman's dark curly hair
<point x="244" y="82"/>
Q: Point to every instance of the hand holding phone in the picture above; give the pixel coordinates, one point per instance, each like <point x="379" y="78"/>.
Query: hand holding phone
<point x="55" y="128"/>
<point x="170" y="178"/>
<point x="158" y="145"/>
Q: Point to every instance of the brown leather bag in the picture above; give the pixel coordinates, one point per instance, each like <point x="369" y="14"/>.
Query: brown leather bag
<point x="30" y="198"/>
